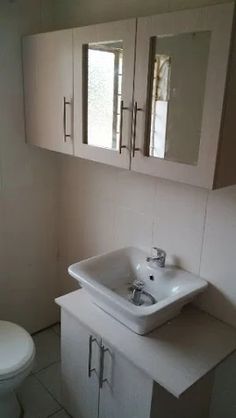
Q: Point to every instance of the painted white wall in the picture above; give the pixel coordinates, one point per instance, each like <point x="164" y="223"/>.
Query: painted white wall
<point x="28" y="186"/>
<point x="102" y="208"/>
<point x="69" y="13"/>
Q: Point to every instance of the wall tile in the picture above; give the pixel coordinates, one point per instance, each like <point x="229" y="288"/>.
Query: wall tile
<point x="51" y="380"/>
<point x="27" y="293"/>
<point x="135" y="191"/>
<point x="98" y="226"/>
<point x="36" y="400"/>
<point x="132" y="229"/>
<point x="30" y="223"/>
<point x="179" y="223"/>
<point x="47" y="345"/>
<point x="218" y="258"/>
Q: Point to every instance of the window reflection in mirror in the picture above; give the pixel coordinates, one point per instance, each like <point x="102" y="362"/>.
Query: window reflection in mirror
<point x="177" y="75"/>
<point x="102" y="85"/>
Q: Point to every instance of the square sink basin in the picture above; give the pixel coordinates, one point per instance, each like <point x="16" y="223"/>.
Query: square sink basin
<point x="138" y="293"/>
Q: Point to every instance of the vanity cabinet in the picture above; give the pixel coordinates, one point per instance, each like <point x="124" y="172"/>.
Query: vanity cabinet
<point x="80" y="388"/>
<point x="154" y="94"/>
<point x="48" y="88"/>
<point x="97" y="381"/>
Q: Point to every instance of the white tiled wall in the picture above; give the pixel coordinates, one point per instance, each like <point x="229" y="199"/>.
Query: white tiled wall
<point x="102" y="208"/>
<point x="218" y="263"/>
<point x="28" y="187"/>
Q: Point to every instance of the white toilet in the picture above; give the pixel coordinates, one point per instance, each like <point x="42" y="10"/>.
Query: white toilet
<point x="17" y="353"/>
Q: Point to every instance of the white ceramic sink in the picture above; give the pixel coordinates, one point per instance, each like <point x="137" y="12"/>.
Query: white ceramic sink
<point x="108" y="279"/>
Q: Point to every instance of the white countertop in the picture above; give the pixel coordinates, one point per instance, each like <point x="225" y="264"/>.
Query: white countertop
<point x="175" y="355"/>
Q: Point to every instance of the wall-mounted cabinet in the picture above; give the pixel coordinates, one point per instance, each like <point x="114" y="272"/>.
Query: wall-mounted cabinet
<point x="48" y="87"/>
<point x="180" y="76"/>
<point x="148" y="94"/>
<point x="103" y="77"/>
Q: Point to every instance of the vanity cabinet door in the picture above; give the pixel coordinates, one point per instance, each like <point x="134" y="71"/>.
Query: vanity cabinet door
<point x="48" y="90"/>
<point x="125" y="391"/>
<point x="180" y="77"/>
<point x="80" y="368"/>
<point x="103" y="88"/>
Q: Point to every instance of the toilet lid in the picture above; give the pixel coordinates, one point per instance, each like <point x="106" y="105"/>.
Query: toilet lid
<point x="16" y="349"/>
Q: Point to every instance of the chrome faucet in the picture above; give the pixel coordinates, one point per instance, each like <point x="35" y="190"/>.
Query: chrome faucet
<point x="159" y="257"/>
<point x="137" y="288"/>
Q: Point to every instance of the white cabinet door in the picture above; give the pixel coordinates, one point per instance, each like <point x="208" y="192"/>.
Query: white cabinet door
<point x="48" y="88"/>
<point x="80" y="367"/>
<point x="103" y="88"/>
<point x="125" y="390"/>
<point x="180" y="76"/>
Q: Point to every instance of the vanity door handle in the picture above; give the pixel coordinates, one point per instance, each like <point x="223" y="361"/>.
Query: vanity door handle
<point x="90" y="354"/>
<point x="136" y="110"/>
<point x="65" y="134"/>
<point x="122" y="108"/>
<point x="102" y="380"/>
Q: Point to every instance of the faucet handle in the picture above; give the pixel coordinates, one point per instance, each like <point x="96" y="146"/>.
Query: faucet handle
<point x="138" y="284"/>
<point x="158" y="252"/>
<point x="159" y="257"/>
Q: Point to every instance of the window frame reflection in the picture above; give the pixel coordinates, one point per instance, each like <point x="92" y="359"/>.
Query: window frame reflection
<point x="114" y="48"/>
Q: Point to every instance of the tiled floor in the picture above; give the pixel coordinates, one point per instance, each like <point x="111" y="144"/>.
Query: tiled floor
<point x="40" y="393"/>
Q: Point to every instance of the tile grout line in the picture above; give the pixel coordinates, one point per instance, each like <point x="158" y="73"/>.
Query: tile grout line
<point x="50" y="327"/>
<point x="54" y="413"/>
<point x="61" y="407"/>
<point x="203" y="233"/>
<point x="46" y="367"/>
<point x="45" y="387"/>
<point x="58" y="407"/>
<point x="153" y="214"/>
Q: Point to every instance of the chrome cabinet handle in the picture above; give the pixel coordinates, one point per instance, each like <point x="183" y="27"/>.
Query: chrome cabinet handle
<point x="90" y="369"/>
<point x="66" y="135"/>
<point x="102" y="380"/>
<point x="122" y="108"/>
<point x="136" y="110"/>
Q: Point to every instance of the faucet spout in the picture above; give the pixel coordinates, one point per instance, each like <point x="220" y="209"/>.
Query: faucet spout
<point x="158" y="258"/>
<point x="137" y="292"/>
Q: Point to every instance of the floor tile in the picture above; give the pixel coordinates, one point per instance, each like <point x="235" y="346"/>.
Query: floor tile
<point x="57" y="329"/>
<point x="51" y="380"/>
<point x="61" y="414"/>
<point x="35" y="399"/>
<point x="47" y="349"/>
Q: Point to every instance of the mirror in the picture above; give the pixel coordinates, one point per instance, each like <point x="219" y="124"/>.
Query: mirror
<point x="102" y="88"/>
<point x="176" y="86"/>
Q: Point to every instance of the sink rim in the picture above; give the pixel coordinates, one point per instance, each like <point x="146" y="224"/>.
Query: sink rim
<point x="115" y="300"/>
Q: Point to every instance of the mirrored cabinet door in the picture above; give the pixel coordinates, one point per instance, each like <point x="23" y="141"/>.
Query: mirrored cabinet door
<point x="103" y="85"/>
<point x="180" y="76"/>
